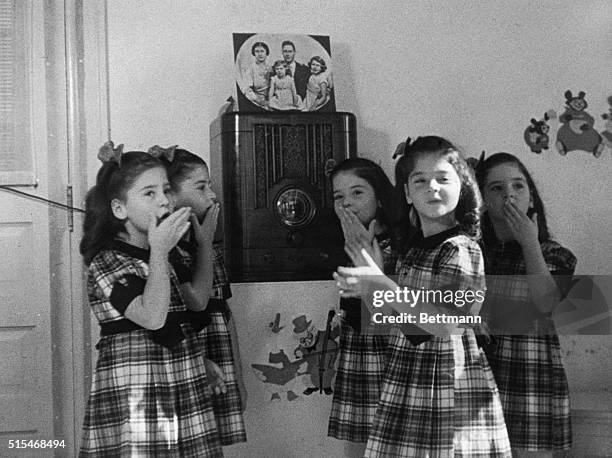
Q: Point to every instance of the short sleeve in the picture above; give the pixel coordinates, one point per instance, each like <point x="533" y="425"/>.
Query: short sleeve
<point x="561" y="263"/>
<point x="459" y="268"/>
<point x="558" y="259"/>
<point x="324" y="79"/>
<point x="125" y="291"/>
<point x="115" y="280"/>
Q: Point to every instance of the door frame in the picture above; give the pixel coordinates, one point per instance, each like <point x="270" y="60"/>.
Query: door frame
<point x="79" y="88"/>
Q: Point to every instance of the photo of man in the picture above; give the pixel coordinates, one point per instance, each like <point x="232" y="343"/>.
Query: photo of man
<point x="300" y="72"/>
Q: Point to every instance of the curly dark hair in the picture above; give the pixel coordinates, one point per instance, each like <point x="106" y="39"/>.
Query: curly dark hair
<point x="100" y="226"/>
<point x="320" y="60"/>
<point x="182" y="163"/>
<point x="260" y="44"/>
<point x="467" y="212"/>
<point x="377" y="178"/>
<point x="482" y="171"/>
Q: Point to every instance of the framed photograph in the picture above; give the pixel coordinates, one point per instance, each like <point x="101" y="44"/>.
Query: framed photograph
<point x="283" y="72"/>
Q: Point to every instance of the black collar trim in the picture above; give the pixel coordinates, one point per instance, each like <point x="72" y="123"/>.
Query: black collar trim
<point x="131" y="250"/>
<point x="436" y="239"/>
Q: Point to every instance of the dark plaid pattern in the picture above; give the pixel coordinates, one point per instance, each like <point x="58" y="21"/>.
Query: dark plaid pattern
<point x="185" y="254"/>
<point x="216" y="341"/>
<point x="439" y="398"/>
<point x="221" y="285"/>
<point x="145" y="399"/>
<point x="361" y="367"/>
<point x="228" y="406"/>
<point x="362" y="360"/>
<point x="528" y="369"/>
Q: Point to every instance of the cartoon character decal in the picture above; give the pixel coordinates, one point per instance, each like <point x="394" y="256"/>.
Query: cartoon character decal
<point x="607" y="134"/>
<point x="319" y="355"/>
<point x="292" y="362"/>
<point x="576" y="131"/>
<point x="536" y="133"/>
<point x="281" y="379"/>
<point x="275" y="366"/>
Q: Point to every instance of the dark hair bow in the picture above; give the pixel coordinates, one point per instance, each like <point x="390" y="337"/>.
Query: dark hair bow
<point x="476" y="163"/>
<point x="159" y="152"/>
<point x="108" y="153"/>
<point x="401" y="149"/>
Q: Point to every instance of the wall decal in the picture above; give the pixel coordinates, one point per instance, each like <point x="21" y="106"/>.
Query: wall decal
<point x="607" y="134"/>
<point x="536" y="133"/>
<point x="274" y="325"/>
<point x="319" y="349"/>
<point x="293" y="357"/>
<point x="282" y="379"/>
<point x="576" y="131"/>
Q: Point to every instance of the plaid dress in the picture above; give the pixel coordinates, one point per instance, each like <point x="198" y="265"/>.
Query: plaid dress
<point x="216" y="341"/>
<point x="146" y="397"/>
<point x="362" y="360"/>
<point x="439" y="398"/>
<point x="528" y="368"/>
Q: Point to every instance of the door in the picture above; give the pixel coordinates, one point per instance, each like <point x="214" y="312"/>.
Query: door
<point x="27" y="291"/>
<point x="53" y="101"/>
<point x="25" y="331"/>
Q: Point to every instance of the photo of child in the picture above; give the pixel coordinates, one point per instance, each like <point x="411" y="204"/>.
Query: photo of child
<point x="317" y="90"/>
<point x="283" y="95"/>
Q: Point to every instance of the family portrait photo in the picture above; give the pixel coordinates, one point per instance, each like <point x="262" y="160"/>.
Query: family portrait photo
<point x="283" y="72"/>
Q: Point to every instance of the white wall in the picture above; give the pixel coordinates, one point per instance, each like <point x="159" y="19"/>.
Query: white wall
<point x="472" y="71"/>
<point x="475" y="72"/>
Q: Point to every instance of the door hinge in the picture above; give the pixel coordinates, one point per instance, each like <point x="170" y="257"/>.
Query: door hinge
<point x="69" y="203"/>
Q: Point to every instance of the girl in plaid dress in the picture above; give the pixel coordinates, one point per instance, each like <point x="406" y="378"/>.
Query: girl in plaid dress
<point x="363" y="197"/>
<point x="191" y="186"/>
<point x="438" y="396"/>
<point x="528" y="274"/>
<point x="147" y="396"/>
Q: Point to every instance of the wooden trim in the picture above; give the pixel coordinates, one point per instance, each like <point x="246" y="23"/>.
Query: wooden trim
<point x="88" y="128"/>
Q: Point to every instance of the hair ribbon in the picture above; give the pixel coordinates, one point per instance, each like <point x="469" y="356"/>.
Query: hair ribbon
<point x="108" y="153"/>
<point x="159" y="152"/>
<point x="474" y="163"/>
<point x="402" y="149"/>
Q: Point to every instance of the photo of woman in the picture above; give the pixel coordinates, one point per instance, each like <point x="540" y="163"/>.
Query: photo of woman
<point x="256" y="80"/>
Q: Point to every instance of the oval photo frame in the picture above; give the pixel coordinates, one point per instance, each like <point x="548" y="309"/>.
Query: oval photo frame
<point x="253" y="89"/>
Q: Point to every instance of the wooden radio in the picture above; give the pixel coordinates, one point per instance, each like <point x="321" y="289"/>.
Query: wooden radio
<point x="268" y="170"/>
